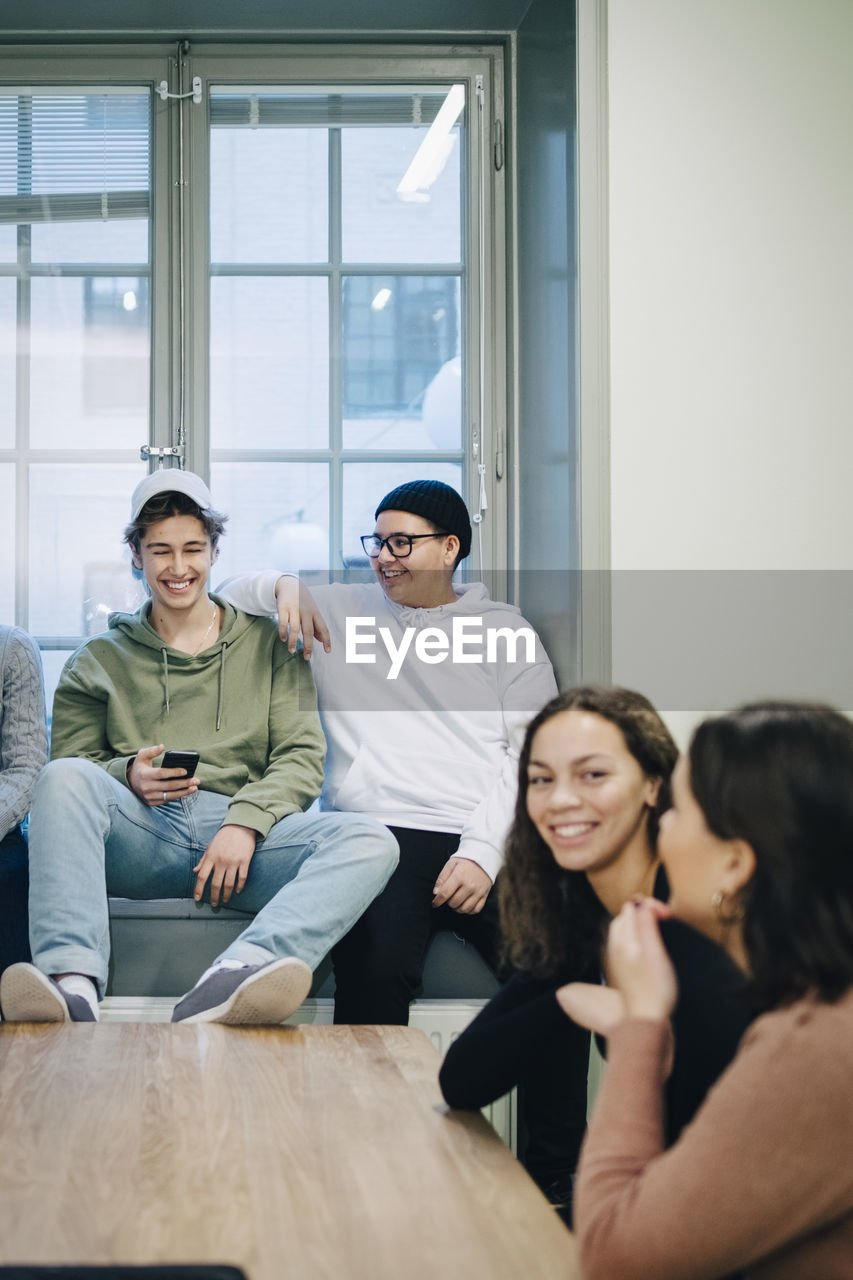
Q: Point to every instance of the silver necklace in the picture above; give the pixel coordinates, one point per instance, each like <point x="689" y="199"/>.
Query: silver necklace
<point x="213" y="617"/>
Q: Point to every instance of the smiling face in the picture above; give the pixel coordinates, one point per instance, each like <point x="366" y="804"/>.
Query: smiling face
<point x="176" y="558"/>
<point x="422" y="580"/>
<point x="587" y="796"/>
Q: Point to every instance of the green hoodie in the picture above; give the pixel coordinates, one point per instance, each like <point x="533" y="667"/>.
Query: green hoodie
<point x="246" y="705"/>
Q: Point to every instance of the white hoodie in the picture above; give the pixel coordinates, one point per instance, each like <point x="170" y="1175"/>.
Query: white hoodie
<point x="434" y="747"/>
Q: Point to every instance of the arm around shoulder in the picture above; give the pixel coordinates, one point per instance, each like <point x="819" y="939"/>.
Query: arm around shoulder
<point x="254" y="593"/>
<point x="280" y="595"/>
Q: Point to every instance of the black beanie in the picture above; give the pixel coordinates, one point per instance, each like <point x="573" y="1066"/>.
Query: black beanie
<point x="435" y="501"/>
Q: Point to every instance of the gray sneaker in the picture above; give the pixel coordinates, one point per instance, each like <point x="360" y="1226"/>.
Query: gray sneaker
<point x="28" y="995"/>
<point x="258" y="995"/>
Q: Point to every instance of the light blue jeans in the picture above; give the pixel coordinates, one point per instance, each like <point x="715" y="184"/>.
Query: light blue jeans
<point x="309" y="879"/>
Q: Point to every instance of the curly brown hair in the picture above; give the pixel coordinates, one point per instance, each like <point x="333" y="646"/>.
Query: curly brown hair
<point x="551" y="917"/>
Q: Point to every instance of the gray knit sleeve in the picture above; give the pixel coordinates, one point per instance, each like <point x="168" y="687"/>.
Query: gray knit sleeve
<point x="23" y="733"/>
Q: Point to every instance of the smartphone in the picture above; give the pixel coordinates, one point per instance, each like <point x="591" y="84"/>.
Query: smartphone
<point x="100" y="1271"/>
<point x="180" y="760"/>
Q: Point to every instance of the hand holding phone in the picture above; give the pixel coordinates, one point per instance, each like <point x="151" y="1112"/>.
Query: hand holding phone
<point x="159" y="784"/>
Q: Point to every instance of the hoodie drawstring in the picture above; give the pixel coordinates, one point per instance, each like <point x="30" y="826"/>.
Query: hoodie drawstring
<point x="165" y="678"/>
<point x="223" y="647"/>
<point x="220" y="698"/>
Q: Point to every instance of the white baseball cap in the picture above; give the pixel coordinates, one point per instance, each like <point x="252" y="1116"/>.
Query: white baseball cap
<point x="170" y="480"/>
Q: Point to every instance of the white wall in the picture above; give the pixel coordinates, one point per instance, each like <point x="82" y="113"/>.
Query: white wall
<point x="731" y="345"/>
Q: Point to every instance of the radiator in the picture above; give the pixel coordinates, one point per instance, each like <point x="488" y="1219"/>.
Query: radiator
<point x="441" y="1020"/>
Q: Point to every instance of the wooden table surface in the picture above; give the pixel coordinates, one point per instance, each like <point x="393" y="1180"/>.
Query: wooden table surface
<point x="296" y="1153"/>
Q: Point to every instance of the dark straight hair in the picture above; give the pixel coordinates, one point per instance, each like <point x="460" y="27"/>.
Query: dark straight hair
<point x="550" y="916"/>
<point x="780" y="776"/>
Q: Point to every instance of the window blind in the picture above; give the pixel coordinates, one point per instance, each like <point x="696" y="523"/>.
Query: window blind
<point x="245" y="107"/>
<point x="74" y="156"/>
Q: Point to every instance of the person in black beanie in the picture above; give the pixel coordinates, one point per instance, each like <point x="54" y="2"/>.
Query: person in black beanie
<point x="423" y="730"/>
<point x="436" y="502"/>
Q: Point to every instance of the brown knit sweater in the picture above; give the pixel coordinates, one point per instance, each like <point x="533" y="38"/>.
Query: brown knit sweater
<point x="761" y="1181"/>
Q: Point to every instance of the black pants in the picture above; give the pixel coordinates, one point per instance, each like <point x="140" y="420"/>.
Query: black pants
<point x="14" y="891"/>
<point x="379" y="965"/>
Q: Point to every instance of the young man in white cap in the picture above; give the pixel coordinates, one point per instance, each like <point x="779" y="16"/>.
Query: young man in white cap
<point x="423" y="718"/>
<point x="188" y="671"/>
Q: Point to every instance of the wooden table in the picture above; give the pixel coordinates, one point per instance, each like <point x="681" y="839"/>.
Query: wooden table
<point x="296" y="1153"/>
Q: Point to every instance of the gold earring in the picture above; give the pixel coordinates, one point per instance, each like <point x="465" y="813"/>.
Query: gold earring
<point x="732" y="914"/>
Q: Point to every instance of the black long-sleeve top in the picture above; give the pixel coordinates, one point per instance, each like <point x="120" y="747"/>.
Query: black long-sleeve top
<point x="523" y="1035"/>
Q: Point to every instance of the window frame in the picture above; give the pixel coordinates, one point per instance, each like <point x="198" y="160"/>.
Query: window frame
<point x="118" y="66"/>
<point x="483" y="220"/>
<point x="486" y="341"/>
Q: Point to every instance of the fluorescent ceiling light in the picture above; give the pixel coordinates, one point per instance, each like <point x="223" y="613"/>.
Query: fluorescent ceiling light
<point x="381" y="300"/>
<point x="431" y="156"/>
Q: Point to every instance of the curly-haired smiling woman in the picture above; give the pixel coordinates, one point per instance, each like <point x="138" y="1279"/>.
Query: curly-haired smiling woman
<point x="594" y="778"/>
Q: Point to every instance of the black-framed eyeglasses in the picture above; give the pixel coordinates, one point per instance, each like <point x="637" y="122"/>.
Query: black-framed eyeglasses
<point x="399" y="544"/>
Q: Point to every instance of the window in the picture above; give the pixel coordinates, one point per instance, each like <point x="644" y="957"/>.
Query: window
<point x="271" y="262"/>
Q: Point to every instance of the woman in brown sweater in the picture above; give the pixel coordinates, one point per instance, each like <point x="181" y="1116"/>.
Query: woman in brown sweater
<point x="758" y="848"/>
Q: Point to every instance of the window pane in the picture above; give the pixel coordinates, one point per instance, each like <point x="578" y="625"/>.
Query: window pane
<point x="381" y="223"/>
<point x="268" y="194"/>
<point x="118" y="240"/>
<point x="90" y="365"/>
<point x="365" y="485"/>
<point x="7" y="534"/>
<point x="8" y="243"/>
<point x="279" y="516"/>
<point x="7" y="364"/>
<point x="80" y="570"/>
<point x="269" y="363"/>
<point x="401" y="367"/>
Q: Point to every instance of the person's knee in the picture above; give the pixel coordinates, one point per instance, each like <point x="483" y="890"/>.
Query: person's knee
<point x="65" y="778"/>
<point x="63" y="785"/>
<point x="369" y="840"/>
